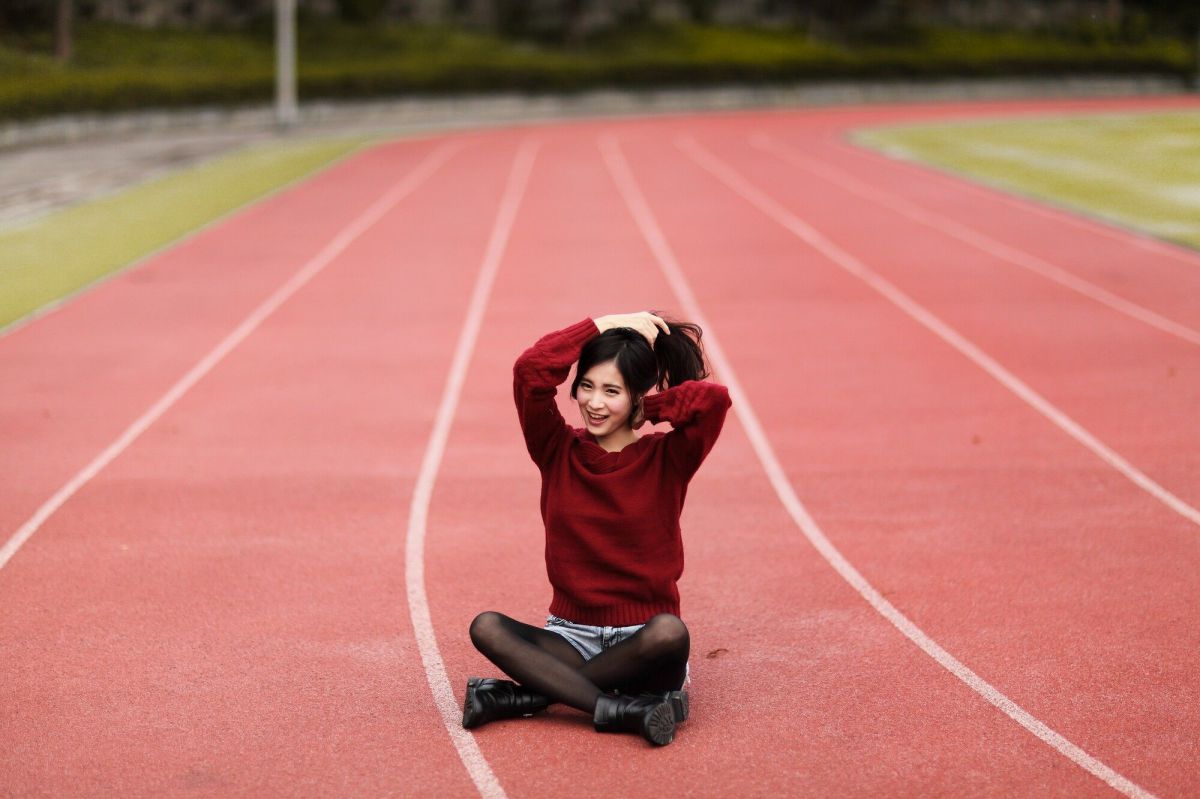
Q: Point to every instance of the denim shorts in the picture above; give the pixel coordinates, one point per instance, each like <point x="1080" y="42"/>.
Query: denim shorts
<point x="590" y="641"/>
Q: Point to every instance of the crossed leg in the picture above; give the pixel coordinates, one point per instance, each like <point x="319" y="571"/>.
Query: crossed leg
<point x="652" y="659"/>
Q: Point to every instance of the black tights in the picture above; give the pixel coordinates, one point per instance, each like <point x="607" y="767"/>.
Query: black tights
<point x="652" y="659"/>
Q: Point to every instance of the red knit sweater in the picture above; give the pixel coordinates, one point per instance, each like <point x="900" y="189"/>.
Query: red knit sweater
<point x="613" y="547"/>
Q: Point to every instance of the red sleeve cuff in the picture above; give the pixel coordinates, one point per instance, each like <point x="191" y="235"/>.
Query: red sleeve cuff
<point x="652" y="405"/>
<point x="581" y="331"/>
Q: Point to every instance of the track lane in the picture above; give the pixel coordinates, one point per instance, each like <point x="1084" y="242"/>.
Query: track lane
<point x="881" y="449"/>
<point x="1132" y="386"/>
<point x="759" y="597"/>
<point x="1046" y="208"/>
<point x="1157" y="275"/>
<point x="1018" y="255"/>
<point x="75" y="379"/>
<point x="233" y="621"/>
<point x="312" y="267"/>
<point x="772" y="716"/>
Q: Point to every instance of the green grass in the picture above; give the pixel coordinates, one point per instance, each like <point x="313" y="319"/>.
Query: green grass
<point x="1138" y="170"/>
<point x="58" y="254"/>
<point x="119" y="68"/>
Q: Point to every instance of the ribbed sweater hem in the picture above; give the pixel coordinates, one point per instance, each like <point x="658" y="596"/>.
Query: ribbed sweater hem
<point x="610" y="615"/>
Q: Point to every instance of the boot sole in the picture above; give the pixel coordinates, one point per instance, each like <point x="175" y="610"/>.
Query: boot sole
<point x="679" y="705"/>
<point x="658" y="727"/>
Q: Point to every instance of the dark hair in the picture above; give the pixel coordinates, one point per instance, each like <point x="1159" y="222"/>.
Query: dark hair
<point x="676" y="358"/>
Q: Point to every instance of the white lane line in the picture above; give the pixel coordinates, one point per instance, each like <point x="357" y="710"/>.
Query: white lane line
<point x="334" y="248"/>
<point x="414" y="548"/>
<point x="974" y="238"/>
<point x="845" y="260"/>
<point x="758" y="440"/>
<point x="53" y="305"/>
<point x="1038" y="206"/>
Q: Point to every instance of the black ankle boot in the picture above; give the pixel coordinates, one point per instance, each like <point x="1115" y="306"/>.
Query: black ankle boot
<point x="489" y="700"/>
<point x="649" y="715"/>
<point x="679" y="704"/>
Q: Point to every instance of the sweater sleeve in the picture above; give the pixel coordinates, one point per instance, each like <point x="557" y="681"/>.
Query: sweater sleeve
<point x="537" y="374"/>
<point x="696" y="411"/>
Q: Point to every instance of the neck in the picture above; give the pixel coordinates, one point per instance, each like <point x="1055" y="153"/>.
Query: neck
<point x="617" y="440"/>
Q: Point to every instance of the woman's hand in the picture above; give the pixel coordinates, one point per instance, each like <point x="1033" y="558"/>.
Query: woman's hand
<point x="643" y="322"/>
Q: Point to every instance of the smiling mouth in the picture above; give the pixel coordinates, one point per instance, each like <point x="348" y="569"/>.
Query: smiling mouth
<point x="594" y="419"/>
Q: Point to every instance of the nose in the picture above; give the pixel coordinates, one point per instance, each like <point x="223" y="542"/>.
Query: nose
<point x="595" y="401"/>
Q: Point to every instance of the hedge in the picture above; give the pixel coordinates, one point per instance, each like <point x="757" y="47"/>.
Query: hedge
<point x="119" y="69"/>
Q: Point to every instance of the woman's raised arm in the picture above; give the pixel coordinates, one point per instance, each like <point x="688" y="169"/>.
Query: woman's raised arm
<point x="537" y="374"/>
<point x="696" y="411"/>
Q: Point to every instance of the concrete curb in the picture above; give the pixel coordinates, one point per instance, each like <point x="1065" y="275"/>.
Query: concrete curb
<point x="471" y="110"/>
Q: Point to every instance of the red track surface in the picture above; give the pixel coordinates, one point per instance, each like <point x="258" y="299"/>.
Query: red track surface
<point x="222" y="609"/>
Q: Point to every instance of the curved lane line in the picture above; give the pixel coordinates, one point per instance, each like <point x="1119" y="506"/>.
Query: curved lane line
<point x="1039" y="206"/>
<point x="51" y="306"/>
<point x="430" y="164"/>
<point x="918" y="312"/>
<point x="640" y="210"/>
<point x="974" y="238"/>
<point x="414" y="547"/>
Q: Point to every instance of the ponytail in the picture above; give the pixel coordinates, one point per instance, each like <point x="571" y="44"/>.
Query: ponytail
<point x="679" y="355"/>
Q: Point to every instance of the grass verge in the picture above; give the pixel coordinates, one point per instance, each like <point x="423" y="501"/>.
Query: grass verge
<point x="56" y="255"/>
<point x="1140" y="171"/>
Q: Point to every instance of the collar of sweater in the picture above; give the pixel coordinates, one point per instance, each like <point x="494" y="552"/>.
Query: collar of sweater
<point x="601" y="460"/>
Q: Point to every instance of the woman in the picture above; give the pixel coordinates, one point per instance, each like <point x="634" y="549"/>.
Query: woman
<point x="611" y="501"/>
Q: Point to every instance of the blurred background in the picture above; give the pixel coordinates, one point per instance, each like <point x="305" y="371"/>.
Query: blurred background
<point x="68" y="56"/>
<point x="129" y="124"/>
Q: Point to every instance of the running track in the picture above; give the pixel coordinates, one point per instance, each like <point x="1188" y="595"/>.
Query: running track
<point x="948" y="545"/>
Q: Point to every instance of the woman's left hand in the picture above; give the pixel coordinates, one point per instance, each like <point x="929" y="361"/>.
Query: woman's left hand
<point x="644" y="322"/>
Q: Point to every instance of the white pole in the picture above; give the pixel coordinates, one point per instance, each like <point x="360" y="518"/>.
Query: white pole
<point x="285" y="63"/>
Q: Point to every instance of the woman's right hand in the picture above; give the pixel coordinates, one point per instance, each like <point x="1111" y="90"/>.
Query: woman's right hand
<point x="643" y="322"/>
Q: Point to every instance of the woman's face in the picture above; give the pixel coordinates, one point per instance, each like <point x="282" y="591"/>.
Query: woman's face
<point x="604" y="401"/>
